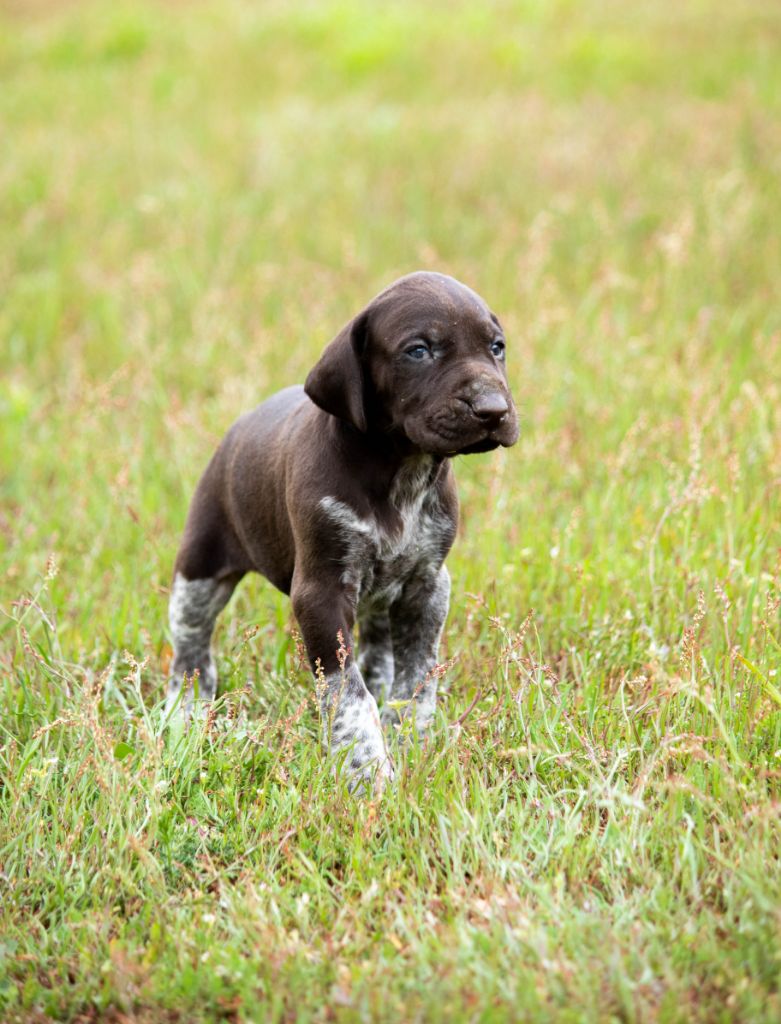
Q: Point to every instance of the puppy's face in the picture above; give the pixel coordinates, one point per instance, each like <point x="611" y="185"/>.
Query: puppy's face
<point x="436" y="359"/>
<point x="424" y="362"/>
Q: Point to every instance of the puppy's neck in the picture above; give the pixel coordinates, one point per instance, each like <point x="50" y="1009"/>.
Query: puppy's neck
<point x="390" y="467"/>
<point x="413" y="479"/>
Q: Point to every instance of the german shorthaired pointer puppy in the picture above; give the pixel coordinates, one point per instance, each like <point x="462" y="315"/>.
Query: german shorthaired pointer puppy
<point x="342" y="494"/>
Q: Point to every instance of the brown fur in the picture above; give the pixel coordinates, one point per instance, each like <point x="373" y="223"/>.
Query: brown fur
<point x="374" y="421"/>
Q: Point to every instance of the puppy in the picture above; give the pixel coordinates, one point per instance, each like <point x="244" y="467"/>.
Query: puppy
<point x="341" y="493"/>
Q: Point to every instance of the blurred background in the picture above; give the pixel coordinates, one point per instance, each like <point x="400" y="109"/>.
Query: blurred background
<point x="196" y="196"/>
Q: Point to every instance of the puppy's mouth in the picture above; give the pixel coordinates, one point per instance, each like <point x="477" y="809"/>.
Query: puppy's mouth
<point x="469" y="438"/>
<point x="488" y="444"/>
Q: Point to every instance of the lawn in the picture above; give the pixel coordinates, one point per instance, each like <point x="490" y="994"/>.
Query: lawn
<point x="194" y="198"/>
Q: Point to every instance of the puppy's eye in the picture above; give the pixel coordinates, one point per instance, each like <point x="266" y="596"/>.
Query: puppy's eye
<point x="418" y="353"/>
<point x="497" y="348"/>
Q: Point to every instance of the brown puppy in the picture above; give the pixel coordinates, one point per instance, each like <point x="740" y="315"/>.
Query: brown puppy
<point x="342" y="494"/>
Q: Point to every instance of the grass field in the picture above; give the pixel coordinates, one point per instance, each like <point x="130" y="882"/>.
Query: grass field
<point x="195" y="198"/>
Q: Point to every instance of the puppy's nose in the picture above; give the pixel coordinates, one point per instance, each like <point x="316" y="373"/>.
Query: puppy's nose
<point x="489" y="406"/>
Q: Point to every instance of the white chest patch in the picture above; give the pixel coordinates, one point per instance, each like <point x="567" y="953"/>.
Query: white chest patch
<point x="377" y="563"/>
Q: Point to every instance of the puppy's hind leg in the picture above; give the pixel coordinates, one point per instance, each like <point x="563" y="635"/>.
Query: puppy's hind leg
<point x="192" y="612"/>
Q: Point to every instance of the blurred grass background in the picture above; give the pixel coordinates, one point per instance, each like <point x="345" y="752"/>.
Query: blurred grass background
<point x="194" y="197"/>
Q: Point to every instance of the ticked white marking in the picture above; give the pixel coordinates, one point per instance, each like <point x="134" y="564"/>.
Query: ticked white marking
<point x="377" y="563"/>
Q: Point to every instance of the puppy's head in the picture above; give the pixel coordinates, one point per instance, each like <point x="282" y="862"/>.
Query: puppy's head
<point x="424" y="363"/>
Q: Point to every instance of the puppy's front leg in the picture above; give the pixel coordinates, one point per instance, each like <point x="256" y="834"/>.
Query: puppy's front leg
<point x="417" y="619"/>
<point x="349" y="712"/>
<point x="375" y="651"/>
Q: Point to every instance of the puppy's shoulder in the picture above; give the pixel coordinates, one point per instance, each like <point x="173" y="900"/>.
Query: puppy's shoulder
<point x="272" y="412"/>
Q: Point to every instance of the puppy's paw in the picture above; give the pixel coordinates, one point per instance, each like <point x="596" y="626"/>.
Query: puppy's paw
<point x="393" y="714"/>
<point x="356" y="728"/>
<point x="368" y="764"/>
<point x="406" y="718"/>
<point x="181" y="705"/>
<point x="177" y="703"/>
<point x="367" y="778"/>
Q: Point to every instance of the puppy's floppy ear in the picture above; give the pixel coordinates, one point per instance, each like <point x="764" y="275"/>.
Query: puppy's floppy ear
<point x="336" y="382"/>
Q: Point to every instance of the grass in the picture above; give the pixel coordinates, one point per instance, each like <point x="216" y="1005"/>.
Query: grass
<point x="195" y="197"/>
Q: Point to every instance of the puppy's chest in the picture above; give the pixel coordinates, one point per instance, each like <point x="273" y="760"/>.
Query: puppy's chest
<point x="377" y="560"/>
<point x="390" y="559"/>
